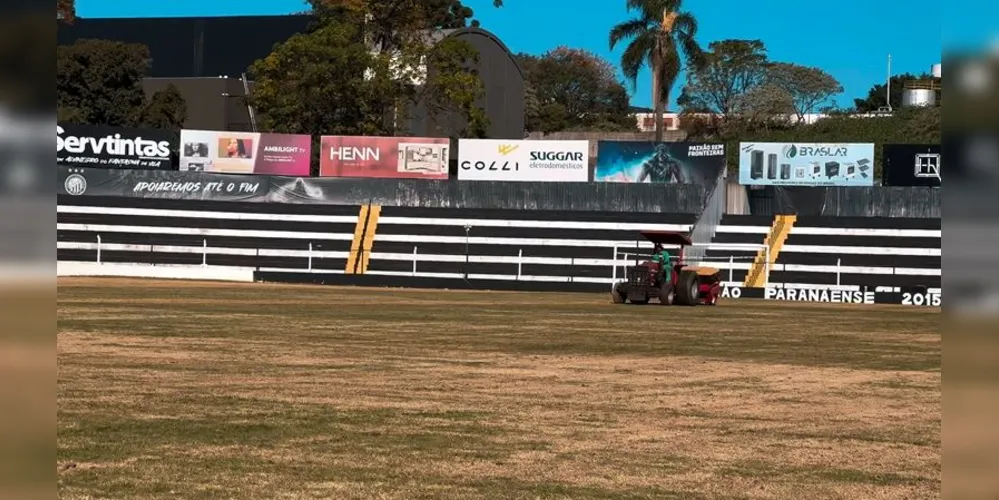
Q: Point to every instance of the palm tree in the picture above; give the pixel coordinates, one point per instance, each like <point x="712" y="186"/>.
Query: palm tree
<point x="659" y="34"/>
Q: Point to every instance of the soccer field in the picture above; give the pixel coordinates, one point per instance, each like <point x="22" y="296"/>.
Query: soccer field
<point x="217" y="390"/>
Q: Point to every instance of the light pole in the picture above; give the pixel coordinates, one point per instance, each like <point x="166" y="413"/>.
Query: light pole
<point x="225" y="111"/>
<point x="888" y="86"/>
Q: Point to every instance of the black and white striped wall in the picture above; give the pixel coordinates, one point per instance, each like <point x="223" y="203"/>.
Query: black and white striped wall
<point x="477" y="248"/>
<point x="171" y="233"/>
<point x="843" y="253"/>
<point x="500" y="245"/>
<point x="535" y="250"/>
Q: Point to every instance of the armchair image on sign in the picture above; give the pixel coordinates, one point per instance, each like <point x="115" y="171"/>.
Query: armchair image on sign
<point x="662" y="162"/>
<point x="384" y="157"/>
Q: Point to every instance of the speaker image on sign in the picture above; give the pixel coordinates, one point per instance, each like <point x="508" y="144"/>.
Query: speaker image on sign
<point x="816" y="169"/>
<point x="756" y="164"/>
<point x="785" y="171"/>
<point x="832" y="168"/>
<point x="850" y="170"/>
<point x="863" y="166"/>
<point x="772" y="166"/>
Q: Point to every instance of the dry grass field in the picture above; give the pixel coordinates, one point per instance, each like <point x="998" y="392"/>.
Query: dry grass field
<point x="257" y="391"/>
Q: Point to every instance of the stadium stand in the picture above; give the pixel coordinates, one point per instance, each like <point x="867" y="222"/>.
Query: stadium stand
<point x="540" y="246"/>
<point x="871" y="253"/>
<point x="848" y="253"/>
<point x="504" y="244"/>
<point x="165" y="232"/>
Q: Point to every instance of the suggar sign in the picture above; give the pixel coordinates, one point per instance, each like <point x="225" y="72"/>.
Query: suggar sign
<point x="112" y="147"/>
<point x="532" y="161"/>
<point x="572" y="156"/>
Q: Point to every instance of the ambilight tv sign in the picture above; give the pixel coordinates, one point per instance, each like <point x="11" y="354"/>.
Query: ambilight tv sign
<point x="114" y="147"/>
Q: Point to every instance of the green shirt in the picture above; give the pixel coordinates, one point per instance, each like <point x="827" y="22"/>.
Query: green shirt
<point x="662" y="257"/>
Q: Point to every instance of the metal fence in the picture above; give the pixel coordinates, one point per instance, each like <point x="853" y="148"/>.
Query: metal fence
<point x="703" y="231"/>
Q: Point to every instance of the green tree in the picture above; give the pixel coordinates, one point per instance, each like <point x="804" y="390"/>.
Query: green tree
<point x="382" y="60"/>
<point x="166" y="109"/>
<point x="731" y="69"/>
<point x="658" y="37"/>
<point x="452" y="87"/>
<point x="532" y="108"/>
<point x="387" y="22"/>
<point x="320" y="83"/>
<point x="573" y="89"/>
<point x="764" y="106"/>
<point x="808" y="87"/>
<point x="66" y="10"/>
<point x="99" y="82"/>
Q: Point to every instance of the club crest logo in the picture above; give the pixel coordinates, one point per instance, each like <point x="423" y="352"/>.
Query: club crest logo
<point x="75" y="184"/>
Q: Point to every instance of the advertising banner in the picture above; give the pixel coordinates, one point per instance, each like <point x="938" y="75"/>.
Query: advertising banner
<point x="919" y="296"/>
<point x="911" y="165"/>
<point x="805" y="164"/>
<point x="659" y="163"/>
<point x="245" y="153"/>
<point x="114" y="147"/>
<point x="384" y="157"/>
<point x="170" y="185"/>
<point x="530" y="161"/>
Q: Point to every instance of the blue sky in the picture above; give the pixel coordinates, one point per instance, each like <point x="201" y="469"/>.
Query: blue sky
<point x="851" y="39"/>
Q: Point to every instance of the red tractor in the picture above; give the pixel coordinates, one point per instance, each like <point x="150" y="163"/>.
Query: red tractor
<point x="672" y="283"/>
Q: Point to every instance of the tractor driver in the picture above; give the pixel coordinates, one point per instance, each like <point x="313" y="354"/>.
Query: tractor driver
<point x="661" y="256"/>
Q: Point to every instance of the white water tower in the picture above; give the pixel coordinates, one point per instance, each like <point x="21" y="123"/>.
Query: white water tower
<point x="918" y="96"/>
<point x="922" y="92"/>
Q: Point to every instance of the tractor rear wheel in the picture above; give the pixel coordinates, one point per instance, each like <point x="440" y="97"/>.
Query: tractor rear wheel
<point x="687" y="289"/>
<point x="667" y="295"/>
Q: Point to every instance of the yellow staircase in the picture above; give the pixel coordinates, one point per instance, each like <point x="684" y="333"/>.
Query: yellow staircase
<point x="759" y="272"/>
<point x="364" y="239"/>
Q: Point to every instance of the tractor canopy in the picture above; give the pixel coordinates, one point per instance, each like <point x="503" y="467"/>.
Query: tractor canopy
<point x="671" y="238"/>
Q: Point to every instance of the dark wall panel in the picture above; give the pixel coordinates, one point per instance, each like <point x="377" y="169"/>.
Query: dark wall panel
<point x="881" y="201"/>
<point x="193" y="46"/>
<point x="327" y="191"/>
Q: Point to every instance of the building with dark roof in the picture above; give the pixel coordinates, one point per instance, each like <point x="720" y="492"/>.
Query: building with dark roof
<point x="206" y="57"/>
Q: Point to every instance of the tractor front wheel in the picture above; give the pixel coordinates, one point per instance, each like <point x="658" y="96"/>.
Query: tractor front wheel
<point x="687" y="288"/>
<point x="619" y="293"/>
<point x="667" y="295"/>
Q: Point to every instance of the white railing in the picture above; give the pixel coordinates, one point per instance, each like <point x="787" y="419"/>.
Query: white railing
<point x="703" y="259"/>
<point x="729" y="263"/>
